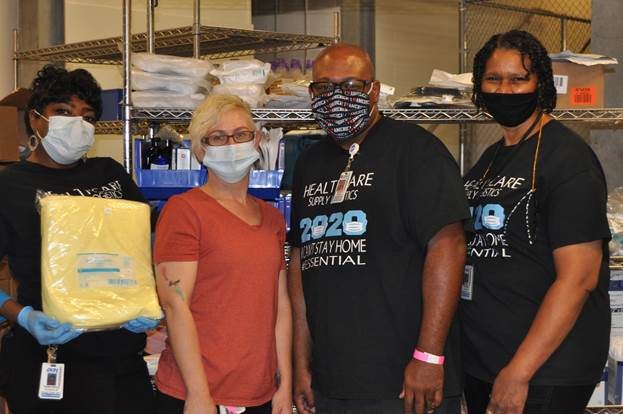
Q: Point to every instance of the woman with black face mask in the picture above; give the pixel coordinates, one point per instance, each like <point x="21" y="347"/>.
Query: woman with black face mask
<point x="534" y="309"/>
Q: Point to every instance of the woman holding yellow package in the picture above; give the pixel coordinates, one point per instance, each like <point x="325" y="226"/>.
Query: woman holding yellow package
<point x="103" y="371"/>
<point x="221" y="280"/>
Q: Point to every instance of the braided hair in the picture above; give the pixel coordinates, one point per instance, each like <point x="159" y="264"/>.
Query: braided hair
<point x="55" y="84"/>
<point x="528" y="46"/>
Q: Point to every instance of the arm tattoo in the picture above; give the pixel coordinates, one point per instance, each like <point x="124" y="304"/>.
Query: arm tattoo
<point x="175" y="284"/>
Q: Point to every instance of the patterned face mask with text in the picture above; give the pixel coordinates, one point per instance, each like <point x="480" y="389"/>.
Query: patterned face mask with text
<point x="342" y="115"/>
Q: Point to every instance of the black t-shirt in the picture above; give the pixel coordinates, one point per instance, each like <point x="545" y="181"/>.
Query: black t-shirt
<point x="20" y="232"/>
<point x="516" y="232"/>
<point x="362" y="259"/>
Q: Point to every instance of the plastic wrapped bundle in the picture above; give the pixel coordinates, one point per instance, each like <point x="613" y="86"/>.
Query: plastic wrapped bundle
<point x="189" y="67"/>
<point x="244" y="71"/>
<point x="166" y="99"/>
<point x="96" y="264"/>
<point x="146" y="81"/>
<point x="253" y="95"/>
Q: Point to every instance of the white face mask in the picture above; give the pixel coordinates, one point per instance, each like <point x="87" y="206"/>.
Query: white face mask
<point x="68" y="138"/>
<point x="231" y="162"/>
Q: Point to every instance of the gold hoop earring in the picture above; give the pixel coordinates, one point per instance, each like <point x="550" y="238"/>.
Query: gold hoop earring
<point x="33" y="142"/>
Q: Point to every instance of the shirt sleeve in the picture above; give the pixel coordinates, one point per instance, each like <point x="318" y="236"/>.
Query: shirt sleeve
<point x="576" y="210"/>
<point x="177" y="233"/>
<point x="434" y="197"/>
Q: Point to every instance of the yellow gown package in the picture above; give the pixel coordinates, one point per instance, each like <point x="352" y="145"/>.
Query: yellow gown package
<point x="96" y="269"/>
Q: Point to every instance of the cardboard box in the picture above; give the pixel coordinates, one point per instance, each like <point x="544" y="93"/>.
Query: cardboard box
<point x="578" y="86"/>
<point x="12" y="128"/>
<point x="182" y="158"/>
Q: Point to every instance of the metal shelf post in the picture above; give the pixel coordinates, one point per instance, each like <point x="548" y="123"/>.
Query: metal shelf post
<point x="127" y="85"/>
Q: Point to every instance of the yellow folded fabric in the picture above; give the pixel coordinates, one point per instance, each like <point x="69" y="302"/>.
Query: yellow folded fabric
<point x="96" y="268"/>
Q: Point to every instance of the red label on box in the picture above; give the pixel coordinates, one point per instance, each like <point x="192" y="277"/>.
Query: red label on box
<point x="585" y="95"/>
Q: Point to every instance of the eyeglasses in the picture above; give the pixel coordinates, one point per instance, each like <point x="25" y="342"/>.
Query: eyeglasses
<point x="350" y="85"/>
<point x="217" y="140"/>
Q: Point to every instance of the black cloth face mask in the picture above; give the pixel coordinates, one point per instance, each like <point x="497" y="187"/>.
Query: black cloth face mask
<point x="510" y="109"/>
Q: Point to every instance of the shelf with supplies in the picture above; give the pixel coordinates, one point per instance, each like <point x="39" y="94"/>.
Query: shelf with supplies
<point x="616" y="262"/>
<point x="215" y="43"/>
<point x="143" y="116"/>
<point x="161" y="184"/>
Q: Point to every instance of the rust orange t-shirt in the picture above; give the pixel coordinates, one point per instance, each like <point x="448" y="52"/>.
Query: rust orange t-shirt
<point x="234" y="301"/>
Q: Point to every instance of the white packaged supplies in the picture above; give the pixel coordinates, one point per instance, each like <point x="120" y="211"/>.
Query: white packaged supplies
<point x="616" y="348"/>
<point x="166" y="99"/>
<point x="296" y="88"/>
<point x="189" y="67"/>
<point x="146" y="81"/>
<point x="288" y="102"/>
<point x="242" y="71"/>
<point x="239" y="64"/>
<point x="253" y="95"/>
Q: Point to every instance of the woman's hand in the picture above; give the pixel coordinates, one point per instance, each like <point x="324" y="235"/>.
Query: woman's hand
<point x="509" y="393"/>
<point x="282" y="401"/>
<point x="199" y="404"/>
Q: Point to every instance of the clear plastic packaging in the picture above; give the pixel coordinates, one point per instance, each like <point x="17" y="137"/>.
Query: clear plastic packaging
<point x="615" y="219"/>
<point x="96" y="269"/>
<point x="253" y="95"/>
<point x="166" y="99"/>
<point x="146" y="81"/>
<point x="251" y="71"/>
<point x="189" y="67"/>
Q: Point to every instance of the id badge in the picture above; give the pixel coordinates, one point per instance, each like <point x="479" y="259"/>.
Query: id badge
<point x="341" y="187"/>
<point x="467" y="287"/>
<point x="227" y="409"/>
<point x="52" y="381"/>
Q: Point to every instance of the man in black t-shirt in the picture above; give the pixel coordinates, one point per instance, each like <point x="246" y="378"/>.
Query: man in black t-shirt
<point x="378" y="254"/>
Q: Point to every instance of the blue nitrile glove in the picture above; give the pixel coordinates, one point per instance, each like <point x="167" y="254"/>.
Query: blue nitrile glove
<point x="46" y="330"/>
<point x="141" y="324"/>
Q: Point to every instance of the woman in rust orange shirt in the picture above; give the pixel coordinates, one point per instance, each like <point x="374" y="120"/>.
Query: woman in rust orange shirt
<point x="221" y="280"/>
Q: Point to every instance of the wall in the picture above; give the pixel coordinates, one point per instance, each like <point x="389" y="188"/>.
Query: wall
<point x="8" y="22"/>
<point x="95" y="19"/>
<point x="413" y="37"/>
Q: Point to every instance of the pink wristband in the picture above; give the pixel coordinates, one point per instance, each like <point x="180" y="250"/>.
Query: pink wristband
<point x="430" y="358"/>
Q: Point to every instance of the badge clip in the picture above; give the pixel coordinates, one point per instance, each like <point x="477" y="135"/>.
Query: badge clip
<point x="51" y="382"/>
<point x="342" y="183"/>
